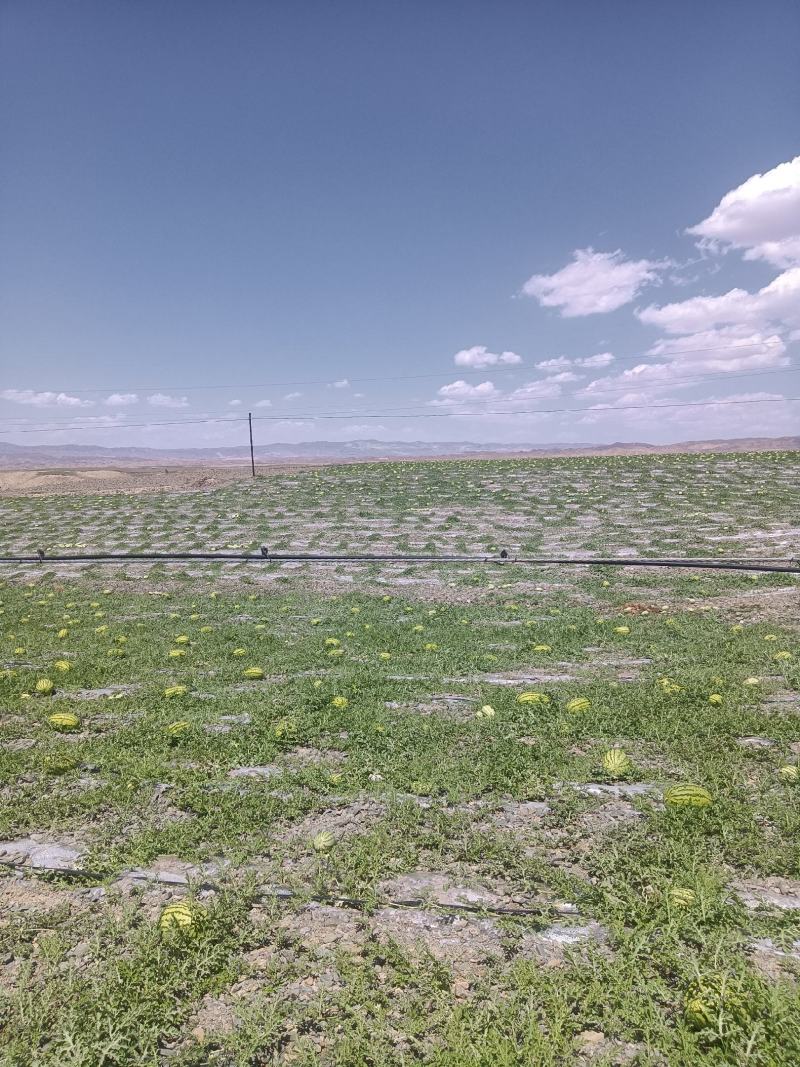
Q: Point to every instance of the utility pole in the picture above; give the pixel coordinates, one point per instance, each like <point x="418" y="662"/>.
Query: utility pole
<point x="252" y="456"/>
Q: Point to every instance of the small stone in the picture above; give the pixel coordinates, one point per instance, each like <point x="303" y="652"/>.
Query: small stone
<point x="755" y="742"/>
<point x="37" y="854"/>
<point x="19" y="744"/>
<point x="269" y="770"/>
<point x="781" y="893"/>
<point x="551" y="945"/>
<point x="591" y="1037"/>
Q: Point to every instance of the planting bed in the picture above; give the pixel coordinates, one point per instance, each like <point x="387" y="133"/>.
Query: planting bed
<point x="415" y="814"/>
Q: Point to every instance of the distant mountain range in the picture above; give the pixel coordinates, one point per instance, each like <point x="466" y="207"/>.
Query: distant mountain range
<point x="14" y="456"/>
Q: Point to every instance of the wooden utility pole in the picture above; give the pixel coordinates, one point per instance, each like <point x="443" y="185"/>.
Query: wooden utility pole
<point x="252" y="456"/>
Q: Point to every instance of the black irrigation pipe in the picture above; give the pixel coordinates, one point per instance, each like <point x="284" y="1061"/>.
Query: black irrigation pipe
<point x="785" y="566"/>
<point x="283" y="893"/>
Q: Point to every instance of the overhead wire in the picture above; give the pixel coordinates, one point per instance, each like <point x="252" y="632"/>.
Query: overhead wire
<point x="495" y="368"/>
<point x="422" y="415"/>
<point x="406" y="411"/>
<point x="659" y="383"/>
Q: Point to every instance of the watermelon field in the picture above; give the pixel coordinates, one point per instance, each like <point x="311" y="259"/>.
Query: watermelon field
<point x="385" y="813"/>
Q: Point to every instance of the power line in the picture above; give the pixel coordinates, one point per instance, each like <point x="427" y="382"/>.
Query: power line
<point x="70" y="423"/>
<point x="542" y="411"/>
<point x="493" y="368"/>
<point x="422" y="415"/>
<point x="122" y="426"/>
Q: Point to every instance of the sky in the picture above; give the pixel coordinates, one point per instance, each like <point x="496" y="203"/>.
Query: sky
<point x="552" y="222"/>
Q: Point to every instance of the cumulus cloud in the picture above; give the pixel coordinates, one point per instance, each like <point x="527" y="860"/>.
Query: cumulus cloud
<point x="564" y="376"/>
<point x="343" y="383"/>
<point x="44" y="399"/>
<point x="729" y="348"/>
<point x="594" y="282"/>
<point x="98" y="421"/>
<point x="480" y="356"/>
<point x="264" y="403"/>
<point x="734" y="415"/>
<point x="724" y="351"/>
<point x="292" y="396"/>
<point x="163" y="400"/>
<point x="777" y="303"/>
<point x="602" y="359"/>
<point x="461" y="391"/>
<point x="559" y="363"/>
<point x="761" y="217"/>
<point x="234" y="403"/>
<point x="121" y="400"/>
<point x="525" y="394"/>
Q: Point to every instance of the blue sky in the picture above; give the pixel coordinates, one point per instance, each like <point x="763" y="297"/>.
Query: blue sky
<point x="398" y="210"/>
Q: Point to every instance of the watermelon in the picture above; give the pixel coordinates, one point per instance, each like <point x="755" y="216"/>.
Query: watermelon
<point x="616" y="762"/>
<point x="176" y="691"/>
<point x="177" y="729"/>
<point x="59" y="764"/>
<point x="687" y="796"/>
<point x="578" y="705"/>
<point x="176" y="916"/>
<point x="710" y="998"/>
<point x="64" y="721"/>
<point x="533" y="697"/>
<point x="681" y="898"/>
<point x="323" y="842"/>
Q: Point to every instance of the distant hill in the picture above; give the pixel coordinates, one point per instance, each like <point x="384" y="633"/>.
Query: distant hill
<point x="21" y="457"/>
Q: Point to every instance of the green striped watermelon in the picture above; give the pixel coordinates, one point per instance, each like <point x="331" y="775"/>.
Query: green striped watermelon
<point x="687" y="796"/>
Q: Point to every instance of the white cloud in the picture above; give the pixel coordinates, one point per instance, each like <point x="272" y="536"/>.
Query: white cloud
<point x="473" y="399"/>
<point x="343" y="383"/>
<point x="44" y="399"/>
<point x="761" y="216"/>
<point x="594" y="283"/>
<point x="554" y="364"/>
<point x="564" y="376"/>
<point x="292" y="396"/>
<point x="121" y="400"/>
<point x="724" y="351"/>
<point x="641" y="374"/>
<point x="234" y="403"/>
<point x="264" y="403"/>
<point x="777" y="303"/>
<point x="735" y="415"/>
<point x="460" y="392"/>
<point x="98" y="421"/>
<point x="162" y="400"/>
<point x="359" y="396"/>
<point x="525" y="394"/>
<point x="729" y="348"/>
<point x="480" y="356"/>
<point x="602" y="359"/>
